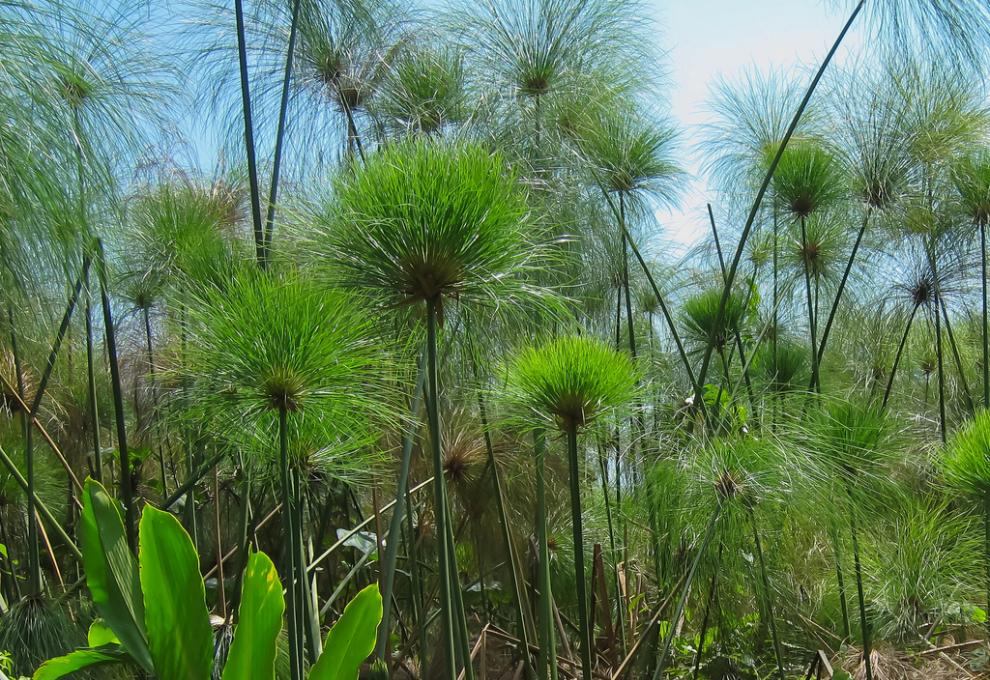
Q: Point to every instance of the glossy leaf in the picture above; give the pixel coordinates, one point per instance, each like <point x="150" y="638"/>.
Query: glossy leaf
<point x="78" y="660"/>
<point x="177" y="621"/>
<point x="352" y="638"/>
<point x="112" y="572"/>
<point x="100" y="634"/>
<point x="252" y="653"/>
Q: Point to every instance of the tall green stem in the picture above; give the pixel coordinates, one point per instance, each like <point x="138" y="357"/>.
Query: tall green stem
<point x="576" y="524"/>
<point x="439" y="495"/>
<point x="767" y="594"/>
<point x="395" y="524"/>
<point x="897" y="356"/>
<point x="685" y="593"/>
<point x="547" y="657"/>
<point x="812" y="321"/>
<point x="126" y="479"/>
<point x="863" y="622"/>
<point x="288" y="521"/>
<point x="252" y="165"/>
<point x="986" y="338"/>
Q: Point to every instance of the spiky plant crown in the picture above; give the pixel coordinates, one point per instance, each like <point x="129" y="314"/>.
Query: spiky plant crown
<point x="424" y="220"/>
<point x="965" y="462"/>
<point x="852" y="438"/>
<point x="570" y="381"/>
<point x="423" y="90"/>
<point x="265" y="342"/>
<point x="181" y="233"/>
<point x="630" y="152"/>
<point x="821" y="248"/>
<point x="701" y="318"/>
<point x="784" y="368"/>
<point x="808" y="178"/>
<point x="738" y="470"/>
<point x="971" y="177"/>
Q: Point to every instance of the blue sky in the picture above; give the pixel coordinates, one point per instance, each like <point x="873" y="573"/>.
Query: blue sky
<point x="707" y="38"/>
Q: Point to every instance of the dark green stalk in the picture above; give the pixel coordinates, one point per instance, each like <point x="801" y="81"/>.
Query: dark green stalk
<point x="736" y="333"/>
<point x="863" y="623"/>
<point x="842" y="287"/>
<point x="460" y="615"/>
<point x="653" y="286"/>
<point x="308" y="620"/>
<point x="94" y="405"/>
<point x="395" y="524"/>
<point x="941" y="369"/>
<point x="957" y="359"/>
<point x="986" y="547"/>
<point x="252" y="165"/>
<point x="840" y="581"/>
<point x="245" y="539"/>
<point x="897" y="356"/>
<point x="41" y="508"/>
<point x="576" y="523"/>
<point x="685" y="593"/>
<point x="126" y="489"/>
<point x="546" y="659"/>
<point x="757" y="202"/>
<point x="986" y="338"/>
<point x="767" y="594"/>
<point x="153" y="387"/>
<point x="439" y="495"/>
<point x="811" y="309"/>
<point x="280" y="132"/>
<point x="611" y="541"/>
<point x="503" y="521"/>
<point x="288" y="521"/>
<point x="712" y="588"/>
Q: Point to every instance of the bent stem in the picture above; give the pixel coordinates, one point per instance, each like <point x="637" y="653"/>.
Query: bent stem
<point x="863" y="623"/>
<point x="897" y="356"/>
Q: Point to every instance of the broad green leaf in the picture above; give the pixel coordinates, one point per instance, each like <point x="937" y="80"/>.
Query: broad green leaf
<point x="112" y="572"/>
<point x="252" y="653"/>
<point x="176" y="618"/>
<point x="100" y="634"/>
<point x="61" y="666"/>
<point x="352" y="638"/>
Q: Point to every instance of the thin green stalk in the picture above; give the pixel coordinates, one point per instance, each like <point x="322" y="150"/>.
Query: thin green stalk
<point x="576" y="524"/>
<point x="439" y="495"/>
<point x="653" y="286"/>
<point x="280" y="131"/>
<point x="812" y="321"/>
<point x="712" y="588"/>
<point x="685" y="593"/>
<point x="767" y="594"/>
<point x="842" y="286"/>
<point x="986" y="548"/>
<point x="288" y="521"/>
<point x="735" y="332"/>
<point x="153" y="387"/>
<point x="245" y="539"/>
<point x="94" y="403"/>
<point x="897" y="356"/>
<point x="395" y="524"/>
<point x="126" y="488"/>
<point x="546" y="665"/>
<point x="611" y="542"/>
<point x="941" y="370"/>
<point x="503" y="521"/>
<point x="986" y="338"/>
<point x="252" y="165"/>
<point x="863" y="623"/>
<point x="957" y="359"/>
<point x="758" y="201"/>
<point x="41" y="508"/>
<point x="460" y="615"/>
